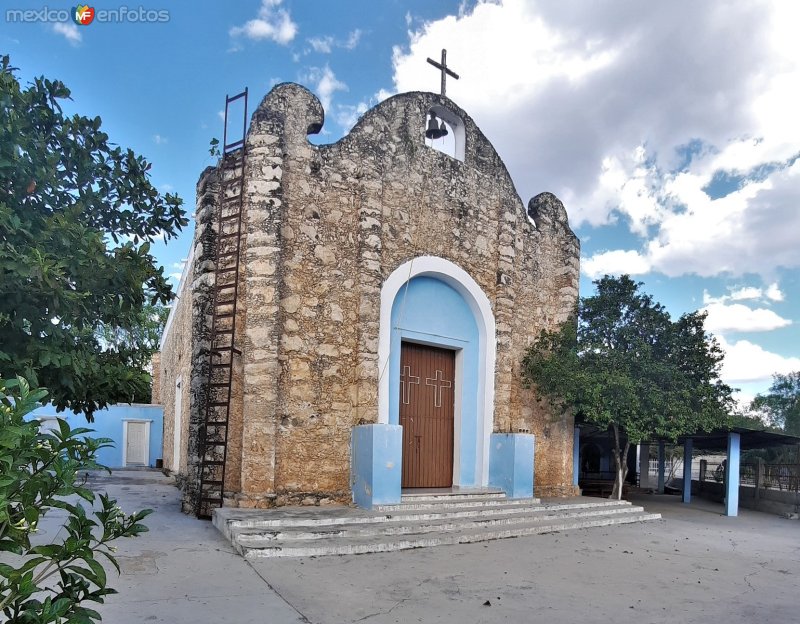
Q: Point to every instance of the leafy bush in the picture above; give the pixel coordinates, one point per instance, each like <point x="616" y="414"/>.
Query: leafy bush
<point x="40" y="471"/>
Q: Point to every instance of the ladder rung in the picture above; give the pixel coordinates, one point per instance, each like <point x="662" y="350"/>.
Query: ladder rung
<point x="228" y="235"/>
<point x="223" y="331"/>
<point x="225" y="315"/>
<point x="211" y="499"/>
<point x="228" y="270"/>
<point x="219" y="384"/>
<point x="218" y="404"/>
<point x="231" y="217"/>
<point x="213" y="462"/>
<point x="235" y="144"/>
<point x="233" y="98"/>
<point x="221" y="286"/>
<point x="225" y="365"/>
<point x="228" y="254"/>
<point x="208" y="482"/>
<point x="217" y="423"/>
<point x="216" y="350"/>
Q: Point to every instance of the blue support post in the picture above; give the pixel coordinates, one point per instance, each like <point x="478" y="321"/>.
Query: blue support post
<point x="687" y="471"/>
<point x="732" y="475"/>
<point x="576" y="456"/>
<point x="511" y="463"/>
<point x="376" y="464"/>
<point x="661" y="461"/>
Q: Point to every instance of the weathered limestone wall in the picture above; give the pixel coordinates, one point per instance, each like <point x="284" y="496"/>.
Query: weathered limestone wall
<point x="557" y="270"/>
<point x="325" y="227"/>
<point x="155" y="379"/>
<point x="201" y="286"/>
<point x="175" y="362"/>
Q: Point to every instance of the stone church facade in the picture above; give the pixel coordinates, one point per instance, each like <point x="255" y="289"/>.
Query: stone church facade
<point x="386" y="294"/>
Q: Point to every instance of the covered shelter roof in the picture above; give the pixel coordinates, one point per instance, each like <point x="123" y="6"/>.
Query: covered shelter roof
<point x="717" y="440"/>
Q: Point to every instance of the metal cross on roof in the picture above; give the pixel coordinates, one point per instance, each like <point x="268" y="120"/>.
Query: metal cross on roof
<point x="444" y="68"/>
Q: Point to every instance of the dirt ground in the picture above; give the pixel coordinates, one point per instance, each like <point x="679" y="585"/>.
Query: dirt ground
<point x="695" y="566"/>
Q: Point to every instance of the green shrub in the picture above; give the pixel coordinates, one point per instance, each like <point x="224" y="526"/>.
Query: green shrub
<point x="40" y="471"/>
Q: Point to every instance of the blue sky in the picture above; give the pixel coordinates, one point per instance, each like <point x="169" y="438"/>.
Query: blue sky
<point x="669" y="130"/>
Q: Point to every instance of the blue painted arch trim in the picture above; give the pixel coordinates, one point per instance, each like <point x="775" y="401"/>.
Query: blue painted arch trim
<point x="429" y="311"/>
<point x="475" y="300"/>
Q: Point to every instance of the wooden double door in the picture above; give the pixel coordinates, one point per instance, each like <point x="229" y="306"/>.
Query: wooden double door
<point x="427" y="400"/>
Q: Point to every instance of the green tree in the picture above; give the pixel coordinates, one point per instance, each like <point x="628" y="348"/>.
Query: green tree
<point x="139" y="341"/>
<point x="781" y="405"/>
<point x="625" y="365"/>
<point x="77" y="216"/>
<point x="52" y="582"/>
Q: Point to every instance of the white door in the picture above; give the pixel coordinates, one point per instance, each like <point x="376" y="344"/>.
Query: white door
<point x="176" y="428"/>
<point x="136" y="443"/>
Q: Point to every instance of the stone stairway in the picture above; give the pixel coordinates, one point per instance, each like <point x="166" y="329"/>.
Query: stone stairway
<point x="420" y="520"/>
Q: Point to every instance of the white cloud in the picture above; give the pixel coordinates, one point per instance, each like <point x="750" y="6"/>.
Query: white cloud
<point x="749" y="362"/>
<point x="326" y="44"/>
<point x="352" y="39"/>
<point x="348" y="115"/>
<point x="616" y="262"/>
<point x="159" y="140"/>
<point x="272" y="23"/>
<point x="382" y="94"/>
<point x="774" y="293"/>
<point x="69" y="31"/>
<point x="637" y="110"/>
<point x="323" y="45"/>
<point x="752" y="230"/>
<point x="737" y="317"/>
<point x="746" y="293"/>
<point x="325" y="84"/>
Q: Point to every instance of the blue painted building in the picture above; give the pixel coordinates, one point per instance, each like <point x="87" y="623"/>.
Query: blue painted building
<point x="136" y="430"/>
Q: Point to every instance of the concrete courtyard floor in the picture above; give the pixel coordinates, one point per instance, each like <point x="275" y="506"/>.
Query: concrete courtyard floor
<point x="695" y="565"/>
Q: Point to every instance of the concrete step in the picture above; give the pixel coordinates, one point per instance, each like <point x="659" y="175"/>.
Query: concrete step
<point x="370" y="544"/>
<point x="452" y="497"/>
<point x="425" y="496"/>
<point x="453" y="502"/>
<point x="252" y="537"/>
<point x="228" y="520"/>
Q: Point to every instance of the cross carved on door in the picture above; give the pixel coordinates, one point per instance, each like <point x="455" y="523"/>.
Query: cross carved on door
<point x="406" y="379"/>
<point x="438" y="382"/>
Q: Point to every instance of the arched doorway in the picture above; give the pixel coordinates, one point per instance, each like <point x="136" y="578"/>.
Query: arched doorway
<point x="432" y="313"/>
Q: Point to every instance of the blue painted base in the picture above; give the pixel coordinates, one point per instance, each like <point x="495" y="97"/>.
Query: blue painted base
<point x="376" y="464"/>
<point x="511" y="463"/>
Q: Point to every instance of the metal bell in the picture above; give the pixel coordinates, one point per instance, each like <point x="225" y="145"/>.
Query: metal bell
<point x="442" y="130"/>
<point x="434" y="131"/>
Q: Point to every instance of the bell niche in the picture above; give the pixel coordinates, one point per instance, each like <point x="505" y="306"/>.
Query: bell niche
<point x="444" y="132"/>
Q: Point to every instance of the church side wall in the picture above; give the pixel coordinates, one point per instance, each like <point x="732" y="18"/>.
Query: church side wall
<point x="176" y="362"/>
<point x="326" y="226"/>
<point x="201" y="286"/>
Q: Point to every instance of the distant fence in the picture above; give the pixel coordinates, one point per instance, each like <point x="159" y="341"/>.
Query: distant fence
<point x="782" y="477"/>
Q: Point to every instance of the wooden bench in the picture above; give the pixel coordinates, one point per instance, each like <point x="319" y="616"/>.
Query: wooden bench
<point x="601" y="488"/>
